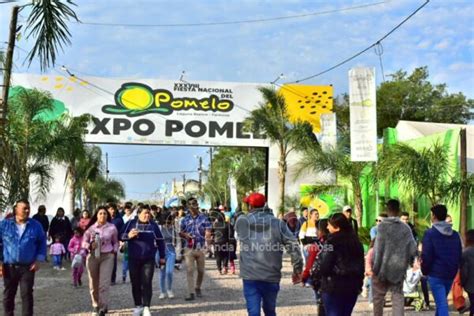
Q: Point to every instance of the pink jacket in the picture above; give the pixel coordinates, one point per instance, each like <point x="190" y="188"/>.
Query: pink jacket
<point x="108" y="237"/>
<point x="74" y="246"/>
<point x="56" y="249"/>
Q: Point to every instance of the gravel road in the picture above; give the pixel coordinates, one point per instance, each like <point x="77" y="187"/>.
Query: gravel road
<point x="54" y="295"/>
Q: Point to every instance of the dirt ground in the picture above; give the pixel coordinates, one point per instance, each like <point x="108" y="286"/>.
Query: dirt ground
<point x="54" y="295"/>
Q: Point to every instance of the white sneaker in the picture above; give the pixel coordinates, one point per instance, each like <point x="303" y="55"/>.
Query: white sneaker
<point x="62" y="269"/>
<point x="162" y="296"/>
<point x="371" y="305"/>
<point x="146" y="311"/>
<point x="137" y="311"/>
<point x="170" y="294"/>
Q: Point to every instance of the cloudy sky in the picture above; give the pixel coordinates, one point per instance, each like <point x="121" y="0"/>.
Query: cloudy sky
<point x="147" y="39"/>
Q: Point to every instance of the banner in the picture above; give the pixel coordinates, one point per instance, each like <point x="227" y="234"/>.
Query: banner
<point x="328" y="135"/>
<point x="152" y="111"/>
<point x="363" y="114"/>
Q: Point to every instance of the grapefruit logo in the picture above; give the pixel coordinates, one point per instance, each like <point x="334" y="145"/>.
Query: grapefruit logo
<point x="135" y="99"/>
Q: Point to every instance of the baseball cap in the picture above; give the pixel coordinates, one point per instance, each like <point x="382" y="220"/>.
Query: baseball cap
<point x="346" y="208"/>
<point x="255" y="199"/>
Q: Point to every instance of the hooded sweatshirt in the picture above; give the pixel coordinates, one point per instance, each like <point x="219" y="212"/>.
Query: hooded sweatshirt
<point x="394" y="249"/>
<point x="442" y="251"/>
<point x="262" y="238"/>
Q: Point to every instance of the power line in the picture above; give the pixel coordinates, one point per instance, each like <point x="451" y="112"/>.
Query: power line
<point x="278" y="18"/>
<point x="142" y="153"/>
<point x="366" y="49"/>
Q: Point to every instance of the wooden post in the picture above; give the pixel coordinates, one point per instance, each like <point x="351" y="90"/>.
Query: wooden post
<point x="464" y="193"/>
<point x="8" y="70"/>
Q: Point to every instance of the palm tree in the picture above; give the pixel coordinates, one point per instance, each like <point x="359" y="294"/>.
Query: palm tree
<point x="71" y="150"/>
<point x="426" y="172"/>
<point x="271" y="119"/>
<point x="104" y="190"/>
<point x="46" y="23"/>
<point x="336" y="160"/>
<point x="32" y="144"/>
<point x="88" y="169"/>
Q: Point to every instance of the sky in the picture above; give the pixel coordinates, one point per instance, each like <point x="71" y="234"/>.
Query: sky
<point x="440" y="36"/>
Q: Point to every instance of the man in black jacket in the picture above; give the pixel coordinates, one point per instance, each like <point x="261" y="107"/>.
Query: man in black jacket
<point x="347" y="211"/>
<point x="42" y="218"/>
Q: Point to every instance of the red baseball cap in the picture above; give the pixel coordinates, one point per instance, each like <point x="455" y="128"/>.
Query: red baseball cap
<point x="255" y="199"/>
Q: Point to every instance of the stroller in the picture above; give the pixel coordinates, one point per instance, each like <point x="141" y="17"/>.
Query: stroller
<point x="412" y="290"/>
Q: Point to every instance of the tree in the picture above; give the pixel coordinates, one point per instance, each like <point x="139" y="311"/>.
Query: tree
<point x="88" y="169"/>
<point x="46" y="23"/>
<point x="246" y="165"/>
<point x="413" y="98"/>
<point x="104" y="190"/>
<point x="32" y="143"/>
<point x="336" y="160"/>
<point x="424" y="171"/>
<point x="271" y="119"/>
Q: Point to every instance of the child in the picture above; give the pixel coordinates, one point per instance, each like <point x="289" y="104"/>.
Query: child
<point x="369" y="258"/>
<point x="411" y="281"/>
<point x="467" y="268"/>
<point x="56" y="251"/>
<point x="74" y="248"/>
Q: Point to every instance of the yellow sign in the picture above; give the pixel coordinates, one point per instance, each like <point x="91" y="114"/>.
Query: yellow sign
<point x="307" y="103"/>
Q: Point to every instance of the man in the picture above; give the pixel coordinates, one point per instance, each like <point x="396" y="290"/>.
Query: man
<point x="347" y="211"/>
<point x="196" y="230"/>
<point x="373" y="230"/>
<point x="262" y="238"/>
<point x="394" y="250"/>
<point x="118" y="223"/>
<point x="24" y="246"/>
<point x="405" y="217"/>
<point x="304" y="216"/>
<point x="440" y="257"/>
<point x="42" y="218"/>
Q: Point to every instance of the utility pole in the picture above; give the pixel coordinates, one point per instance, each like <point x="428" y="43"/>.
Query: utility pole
<point x="464" y="193"/>
<point x="200" y="174"/>
<point x="107" y="166"/>
<point x="184" y="184"/>
<point x="8" y="69"/>
<point x="210" y="156"/>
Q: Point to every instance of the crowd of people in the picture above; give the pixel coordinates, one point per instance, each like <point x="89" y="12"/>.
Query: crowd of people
<point x="326" y="255"/>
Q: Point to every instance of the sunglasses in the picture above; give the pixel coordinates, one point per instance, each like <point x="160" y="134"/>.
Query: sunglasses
<point x="378" y="220"/>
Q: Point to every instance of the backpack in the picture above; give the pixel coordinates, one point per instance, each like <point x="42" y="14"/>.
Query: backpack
<point x="315" y="278"/>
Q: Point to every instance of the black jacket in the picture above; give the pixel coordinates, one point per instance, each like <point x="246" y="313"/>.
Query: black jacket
<point x="341" y="264"/>
<point x="221" y="232"/>
<point x="44" y="221"/>
<point x="60" y="228"/>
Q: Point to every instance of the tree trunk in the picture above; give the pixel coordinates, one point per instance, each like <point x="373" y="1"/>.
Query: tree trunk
<point x="72" y="191"/>
<point x="282" y="177"/>
<point x="358" y="202"/>
<point x="464" y="192"/>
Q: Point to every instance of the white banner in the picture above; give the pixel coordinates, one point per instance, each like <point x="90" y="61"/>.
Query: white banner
<point x="233" y="194"/>
<point x="328" y="136"/>
<point x="146" y="111"/>
<point x="363" y="114"/>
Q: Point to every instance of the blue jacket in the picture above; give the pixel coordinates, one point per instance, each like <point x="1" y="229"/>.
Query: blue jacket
<point x="149" y="239"/>
<point x="29" y="248"/>
<point x="118" y="222"/>
<point x="442" y="252"/>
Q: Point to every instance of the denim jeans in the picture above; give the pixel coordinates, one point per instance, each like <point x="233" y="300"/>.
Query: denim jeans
<point x="261" y="293"/>
<point x="339" y="304"/>
<point x="440" y="289"/>
<point x="57" y="260"/>
<point x="166" y="273"/>
<point x="124" y="268"/>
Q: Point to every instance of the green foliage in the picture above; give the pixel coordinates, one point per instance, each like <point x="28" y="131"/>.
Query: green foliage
<point x="292" y="202"/>
<point x="410" y="97"/>
<point x="425" y="171"/>
<point x="413" y="98"/>
<point x="246" y="165"/>
<point x="103" y="191"/>
<point x="272" y="120"/>
<point x="364" y="235"/>
<point x="47" y="24"/>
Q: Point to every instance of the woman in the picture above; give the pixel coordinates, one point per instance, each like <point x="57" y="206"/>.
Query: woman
<point x="85" y="220"/>
<point x="221" y="243"/>
<point x="341" y="267"/>
<point x="143" y="237"/>
<point x="61" y="228"/>
<point x="101" y="243"/>
<point x="170" y="237"/>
